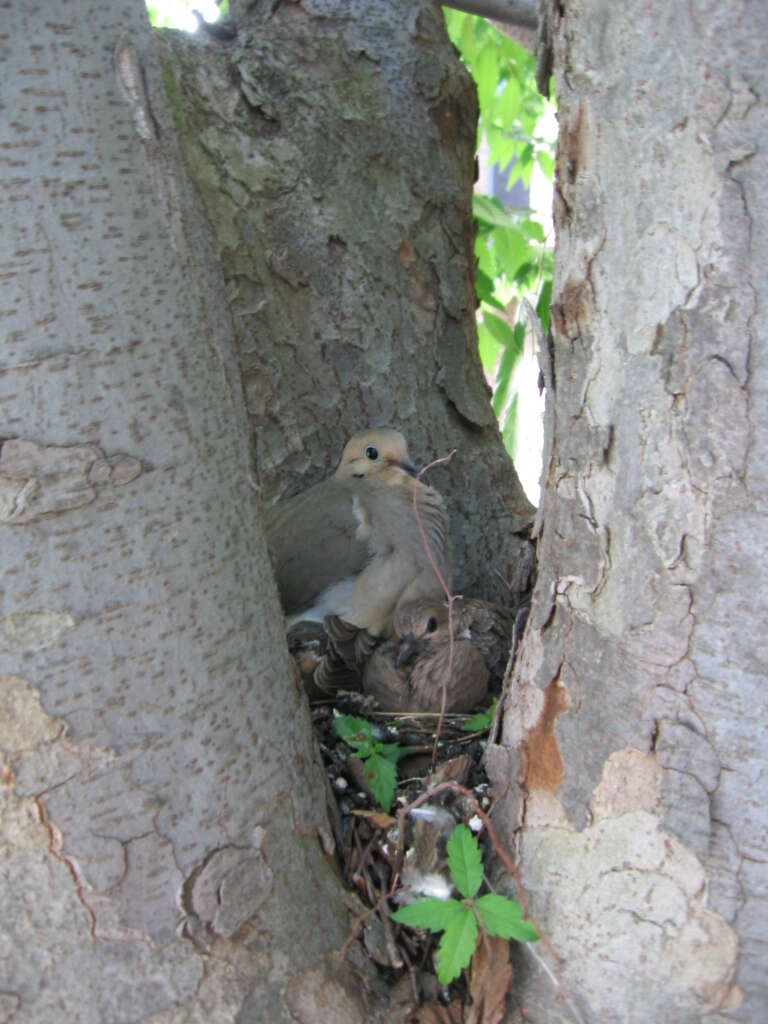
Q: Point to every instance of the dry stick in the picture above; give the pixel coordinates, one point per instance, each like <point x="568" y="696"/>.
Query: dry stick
<point x="363" y="858"/>
<point x="411" y="974"/>
<point x="446" y="591"/>
<point x="360" y="921"/>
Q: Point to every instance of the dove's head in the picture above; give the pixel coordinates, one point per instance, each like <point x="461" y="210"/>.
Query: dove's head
<point x="375" y="455"/>
<point x="420" y="625"/>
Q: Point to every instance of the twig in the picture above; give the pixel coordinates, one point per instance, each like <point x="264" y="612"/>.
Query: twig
<point x="425" y="542"/>
<point x="520" y="13"/>
<point x="358" y="923"/>
<point x="363" y="858"/>
<point x="411" y="974"/>
<point x="450" y="597"/>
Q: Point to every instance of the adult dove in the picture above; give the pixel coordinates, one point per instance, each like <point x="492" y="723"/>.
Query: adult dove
<point x="407" y="673"/>
<point x="351" y="546"/>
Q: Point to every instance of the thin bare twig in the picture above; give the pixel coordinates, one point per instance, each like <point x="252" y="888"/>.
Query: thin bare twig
<point x="449" y="596"/>
<point x="358" y="923"/>
<point x="425" y="542"/>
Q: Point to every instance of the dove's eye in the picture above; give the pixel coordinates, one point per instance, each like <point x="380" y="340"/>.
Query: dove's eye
<point x="431" y="624"/>
<point x="372" y="453"/>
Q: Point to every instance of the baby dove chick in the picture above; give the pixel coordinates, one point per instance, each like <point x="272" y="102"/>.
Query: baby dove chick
<point x="408" y="672"/>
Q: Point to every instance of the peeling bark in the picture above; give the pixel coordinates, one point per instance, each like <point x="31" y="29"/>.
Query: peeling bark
<point x="645" y="856"/>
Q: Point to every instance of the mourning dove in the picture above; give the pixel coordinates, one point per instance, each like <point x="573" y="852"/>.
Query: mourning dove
<point x="351" y="547"/>
<point x="407" y="673"/>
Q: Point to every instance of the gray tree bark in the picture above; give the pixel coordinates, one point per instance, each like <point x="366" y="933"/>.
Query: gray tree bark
<point x="220" y="259"/>
<point x="178" y="339"/>
<point x="163" y="833"/>
<point x="637" y="719"/>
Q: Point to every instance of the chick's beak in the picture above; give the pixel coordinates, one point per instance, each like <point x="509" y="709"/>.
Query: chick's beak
<point x="409" y="647"/>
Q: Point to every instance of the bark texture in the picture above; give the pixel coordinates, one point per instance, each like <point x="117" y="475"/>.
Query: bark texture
<point x="333" y="146"/>
<point x="637" y="722"/>
<point x="159" y="792"/>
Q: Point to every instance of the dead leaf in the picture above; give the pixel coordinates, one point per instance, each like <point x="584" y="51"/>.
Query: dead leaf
<point x="491" y="977"/>
<point x="377" y="818"/>
<point x="435" y="1013"/>
<point x="454" y="770"/>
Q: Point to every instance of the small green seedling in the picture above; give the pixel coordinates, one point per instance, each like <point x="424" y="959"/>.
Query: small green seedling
<point x="461" y="920"/>
<point x="379" y="759"/>
<point x="482" y="721"/>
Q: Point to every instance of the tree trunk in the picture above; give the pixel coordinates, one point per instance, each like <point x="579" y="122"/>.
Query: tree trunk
<point x="637" y="718"/>
<point x="163" y="829"/>
<point x="221" y="259"/>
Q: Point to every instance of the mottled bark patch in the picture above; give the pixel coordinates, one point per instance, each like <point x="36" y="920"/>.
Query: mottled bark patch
<point x="36" y="480"/>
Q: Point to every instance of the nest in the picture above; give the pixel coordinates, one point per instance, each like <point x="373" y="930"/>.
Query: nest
<point x="387" y="858"/>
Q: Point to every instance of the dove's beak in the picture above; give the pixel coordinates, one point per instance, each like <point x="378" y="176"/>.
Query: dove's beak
<point x="405" y="466"/>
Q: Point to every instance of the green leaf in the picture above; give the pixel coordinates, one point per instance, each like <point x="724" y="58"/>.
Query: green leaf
<point x="542" y="306"/>
<point x="429" y="913"/>
<point x="381" y="775"/>
<point x="504" y="917"/>
<point x="511" y="248"/>
<point x="481" y="721"/>
<point x="532" y="229"/>
<point x="356" y="732"/>
<point x="485" y="70"/>
<point x="506" y="368"/>
<point x="508" y="102"/>
<point x="490" y="211"/>
<point x="509" y="432"/>
<point x="488" y="347"/>
<point x="468" y="43"/>
<point x="392" y="751"/>
<point x="502" y="148"/>
<point x="486" y="259"/>
<point x="500" y="329"/>
<point x="526" y="155"/>
<point x="546" y="163"/>
<point x="456" y="946"/>
<point x="484" y="288"/>
<point x="525" y="272"/>
<point x="465" y="861"/>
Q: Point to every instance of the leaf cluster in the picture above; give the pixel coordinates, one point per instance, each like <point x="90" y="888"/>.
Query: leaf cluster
<point x="379" y="759"/>
<point x="460" y="921"/>
<point x="514" y="258"/>
<point x="482" y="720"/>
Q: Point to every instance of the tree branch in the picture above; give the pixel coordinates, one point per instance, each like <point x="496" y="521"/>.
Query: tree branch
<point x="517" y="13"/>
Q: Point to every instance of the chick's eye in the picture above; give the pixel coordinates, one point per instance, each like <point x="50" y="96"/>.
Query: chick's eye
<point x="372" y="453"/>
<point x="431" y="624"/>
